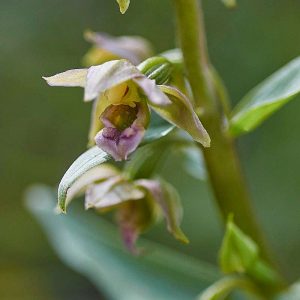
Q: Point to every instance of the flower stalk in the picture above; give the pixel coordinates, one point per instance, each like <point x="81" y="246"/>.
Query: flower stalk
<point x="221" y="160"/>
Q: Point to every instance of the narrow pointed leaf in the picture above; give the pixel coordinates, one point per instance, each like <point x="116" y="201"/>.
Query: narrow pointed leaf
<point x="123" y="4"/>
<point x="266" y="98"/>
<point x="70" y="78"/>
<point x="88" y="160"/>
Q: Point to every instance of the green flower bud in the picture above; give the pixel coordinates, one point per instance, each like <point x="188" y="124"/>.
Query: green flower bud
<point x="156" y="68"/>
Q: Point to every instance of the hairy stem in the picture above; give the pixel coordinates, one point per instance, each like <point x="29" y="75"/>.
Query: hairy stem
<point x="222" y="163"/>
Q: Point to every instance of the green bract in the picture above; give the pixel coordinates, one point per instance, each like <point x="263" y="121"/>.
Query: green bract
<point x="123" y="4"/>
<point x="238" y="251"/>
<point x="240" y="254"/>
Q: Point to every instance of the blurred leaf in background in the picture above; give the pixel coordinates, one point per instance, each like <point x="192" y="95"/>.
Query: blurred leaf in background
<point x="90" y="245"/>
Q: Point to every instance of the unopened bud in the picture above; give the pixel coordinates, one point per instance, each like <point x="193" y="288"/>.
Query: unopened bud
<point x="157" y="68"/>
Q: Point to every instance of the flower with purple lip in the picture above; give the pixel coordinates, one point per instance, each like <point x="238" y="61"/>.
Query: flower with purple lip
<point x="123" y="117"/>
<point x="123" y="96"/>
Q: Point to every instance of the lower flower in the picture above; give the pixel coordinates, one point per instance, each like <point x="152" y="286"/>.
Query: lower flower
<point x="138" y="204"/>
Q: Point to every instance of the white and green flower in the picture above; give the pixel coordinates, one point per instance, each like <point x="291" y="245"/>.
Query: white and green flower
<point x="122" y="98"/>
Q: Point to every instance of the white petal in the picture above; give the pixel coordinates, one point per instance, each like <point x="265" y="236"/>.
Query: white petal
<point x="95" y="174"/>
<point x="108" y="75"/>
<point x="112" y="192"/>
<point x="154" y="94"/>
<point x="95" y="192"/>
<point x="76" y="77"/>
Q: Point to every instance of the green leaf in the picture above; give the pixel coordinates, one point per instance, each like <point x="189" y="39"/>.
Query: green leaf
<point x="238" y="252"/>
<point x="85" y="162"/>
<point x="123" y="4"/>
<point x="90" y="245"/>
<point x="266" y="98"/>
<point x="225" y="286"/>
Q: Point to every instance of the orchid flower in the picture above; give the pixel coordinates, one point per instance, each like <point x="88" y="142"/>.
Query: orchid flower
<point x="138" y="203"/>
<point x="107" y="47"/>
<point x="123" y="96"/>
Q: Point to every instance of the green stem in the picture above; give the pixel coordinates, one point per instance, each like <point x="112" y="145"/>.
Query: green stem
<point x="222" y="163"/>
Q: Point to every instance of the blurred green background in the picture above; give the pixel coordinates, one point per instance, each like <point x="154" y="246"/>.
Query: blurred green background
<point x="44" y="129"/>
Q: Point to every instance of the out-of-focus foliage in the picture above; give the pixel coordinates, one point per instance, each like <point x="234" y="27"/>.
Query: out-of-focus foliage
<point x="90" y="246"/>
<point x="266" y="98"/>
<point x="43" y="130"/>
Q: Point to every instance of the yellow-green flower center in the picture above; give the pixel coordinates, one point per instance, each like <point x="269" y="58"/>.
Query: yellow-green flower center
<point x="124" y="93"/>
<point x="121" y="116"/>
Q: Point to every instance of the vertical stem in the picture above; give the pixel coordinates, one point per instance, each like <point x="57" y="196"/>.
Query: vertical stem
<point x="222" y="163"/>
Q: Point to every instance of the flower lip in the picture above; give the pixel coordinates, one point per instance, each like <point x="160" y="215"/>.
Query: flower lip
<point x="124" y="128"/>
